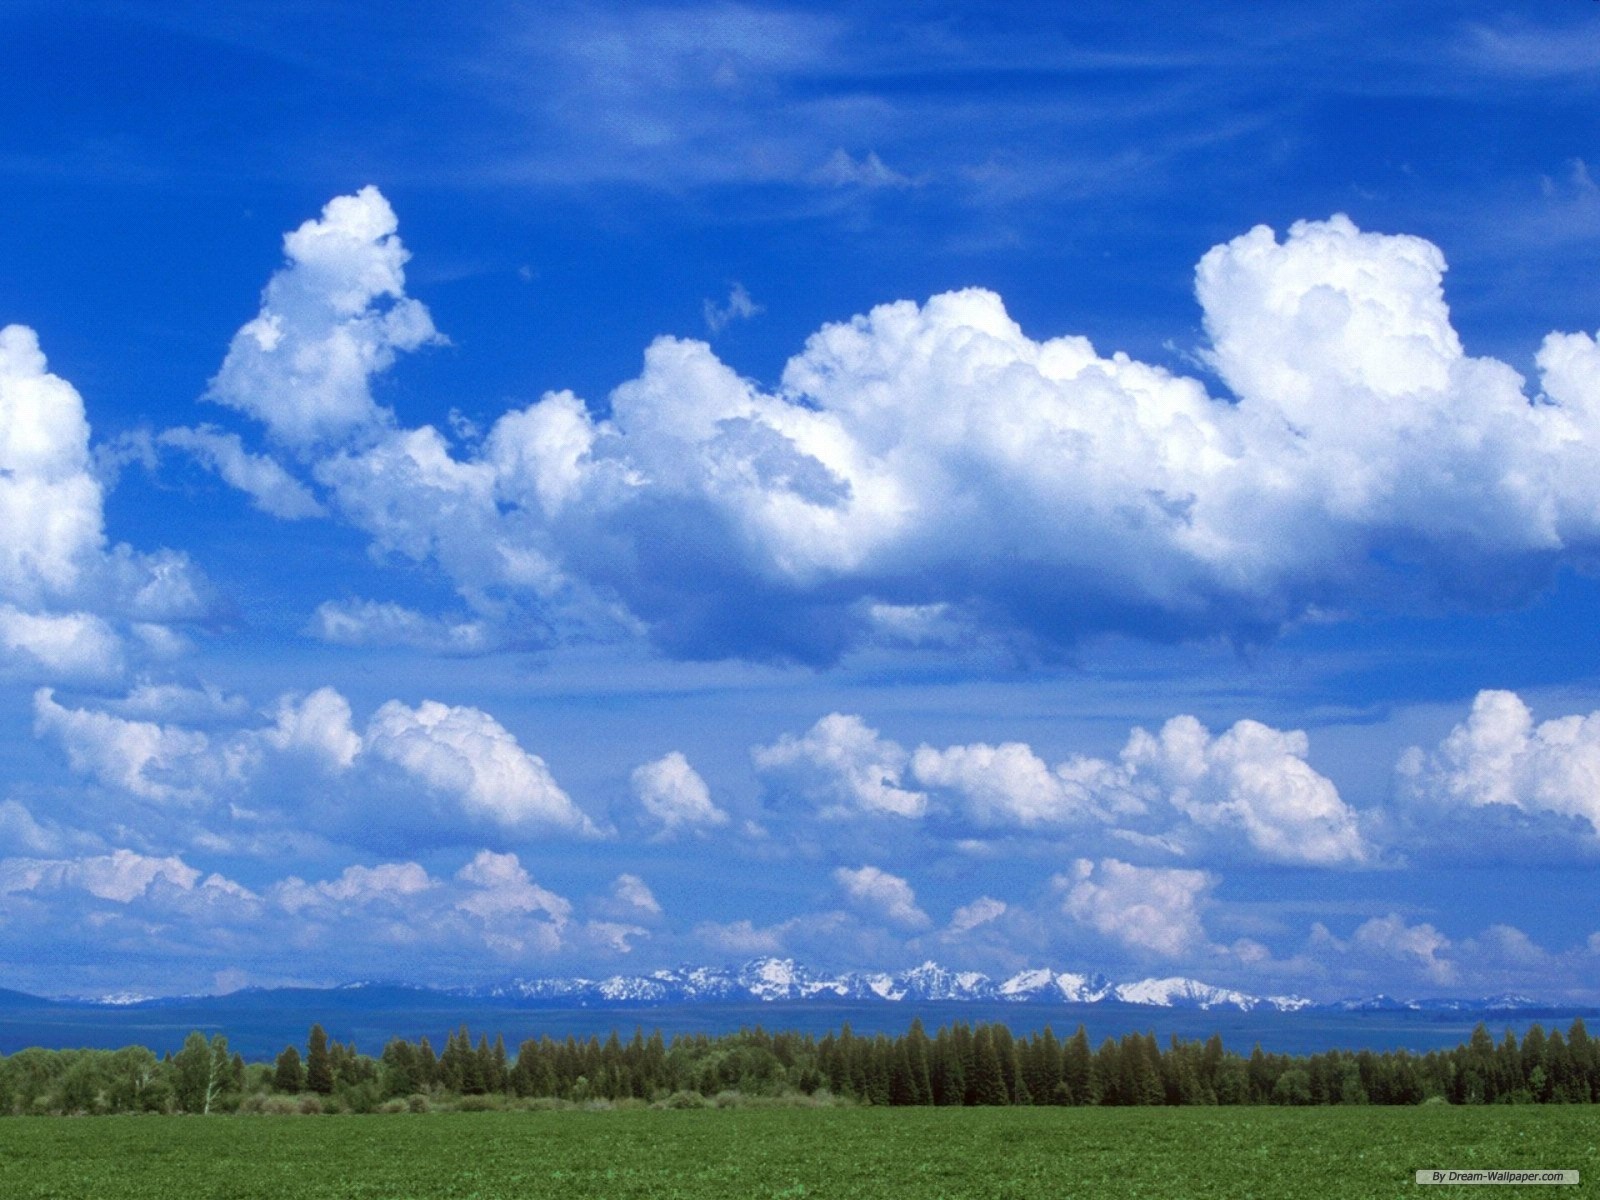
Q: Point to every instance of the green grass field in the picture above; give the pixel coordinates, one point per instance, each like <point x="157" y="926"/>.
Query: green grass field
<point x="911" y="1152"/>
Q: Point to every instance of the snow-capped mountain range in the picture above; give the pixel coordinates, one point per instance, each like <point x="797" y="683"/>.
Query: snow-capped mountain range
<point x="782" y="979"/>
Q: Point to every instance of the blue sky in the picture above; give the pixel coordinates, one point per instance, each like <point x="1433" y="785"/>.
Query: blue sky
<point x="584" y="488"/>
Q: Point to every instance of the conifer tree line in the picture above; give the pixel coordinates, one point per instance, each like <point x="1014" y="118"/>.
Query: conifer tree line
<point x="960" y="1065"/>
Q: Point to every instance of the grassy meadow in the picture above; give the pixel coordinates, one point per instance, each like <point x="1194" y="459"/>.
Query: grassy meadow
<point x="785" y="1152"/>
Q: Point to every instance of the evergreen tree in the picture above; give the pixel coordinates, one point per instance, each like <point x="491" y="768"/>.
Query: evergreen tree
<point x="400" y="1074"/>
<point x="319" y="1063"/>
<point x="427" y="1064"/>
<point x="289" y="1074"/>
<point x="949" y="1084"/>
<point x="1585" y="1069"/>
<point x="989" y="1083"/>
<point x="917" y="1048"/>
<point x="499" y="1070"/>
<point x="1078" y="1069"/>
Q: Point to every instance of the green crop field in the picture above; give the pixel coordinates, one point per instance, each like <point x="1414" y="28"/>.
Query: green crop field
<point x="909" y="1152"/>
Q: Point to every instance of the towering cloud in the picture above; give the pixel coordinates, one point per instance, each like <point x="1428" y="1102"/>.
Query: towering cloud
<point x="935" y="460"/>
<point x="1499" y="767"/>
<point x="332" y="318"/>
<point x="63" y="589"/>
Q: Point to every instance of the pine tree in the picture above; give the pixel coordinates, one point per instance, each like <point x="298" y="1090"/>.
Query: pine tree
<point x="289" y="1074"/>
<point x="319" y="1063"/>
<point x="1585" y="1069"/>
<point x="949" y="1084"/>
<point x="916" y="1043"/>
<point x="1078" y="1069"/>
<point x="499" y="1070"/>
<point x="427" y="1064"/>
<point x="989" y="1082"/>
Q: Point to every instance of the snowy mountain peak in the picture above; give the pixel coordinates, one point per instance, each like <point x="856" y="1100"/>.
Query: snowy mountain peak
<point x="775" y="980"/>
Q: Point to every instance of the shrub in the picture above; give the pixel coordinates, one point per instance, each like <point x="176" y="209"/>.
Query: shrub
<point x="683" y="1099"/>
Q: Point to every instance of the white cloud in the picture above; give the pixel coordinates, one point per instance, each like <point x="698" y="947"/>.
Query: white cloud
<point x="1006" y="784"/>
<point x="744" y="938"/>
<point x="467" y="754"/>
<point x="1253" y="781"/>
<point x="20" y="831"/>
<point x="336" y="315"/>
<point x="61" y="584"/>
<point x="319" y="725"/>
<point x="672" y="793"/>
<point x="740" y="307"/>
<point x="869" y="171"/>
<point x="980" y="912"/>
<point x="256" y="773"/>
<point x="1499" y="761"/>
<point x="49" y="499"/>
<point x="842" y="766"/>
<point x="156" y="762"/>
<point x="390" y="883"/>
<point x="271" y="488"/>
<point x="501" y="887"/>
<point x="376" y="623"/>
<point x="1153" y="910"/>
<point x="121" y="875"/>
<point x="1388" y="940"/>
<point x="934" y="459"/>
<point x="631" y="892"/>
<point x="1249" y="788"/>
<point x="174" y="701"/>
<point x="882" y="894"/>
<point x="71" y="644"/>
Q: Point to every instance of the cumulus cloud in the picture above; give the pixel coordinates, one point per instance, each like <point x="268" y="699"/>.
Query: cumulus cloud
<point x="461" y="756"/>
<point x="270" y="487"/>
<point x="882" y="894"/>
<point x="673" y="794"/>
<point x="503" y="886"/>
<point x="933" y="458"/>
<point x="120" y="876"/>
<point x="352" y="924"/>
<point x="1248" y="790"/>
<point x="1154" y="910"/>
<point x="63" y="587"/>
<point x="70" y="644"/>
<point x="333" y="317"/>
<point x="1252" y="781"/>
<point x="843" y="767"/>
<point x="465" y="753"/>
<point x="156" y="762"/>
<point x="393" y="883"/>
<point x="1387" y="940"/>
<point x="318" y="725"/>
<point x="1498" y="763"/>
<point x="1010" y="784"/>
